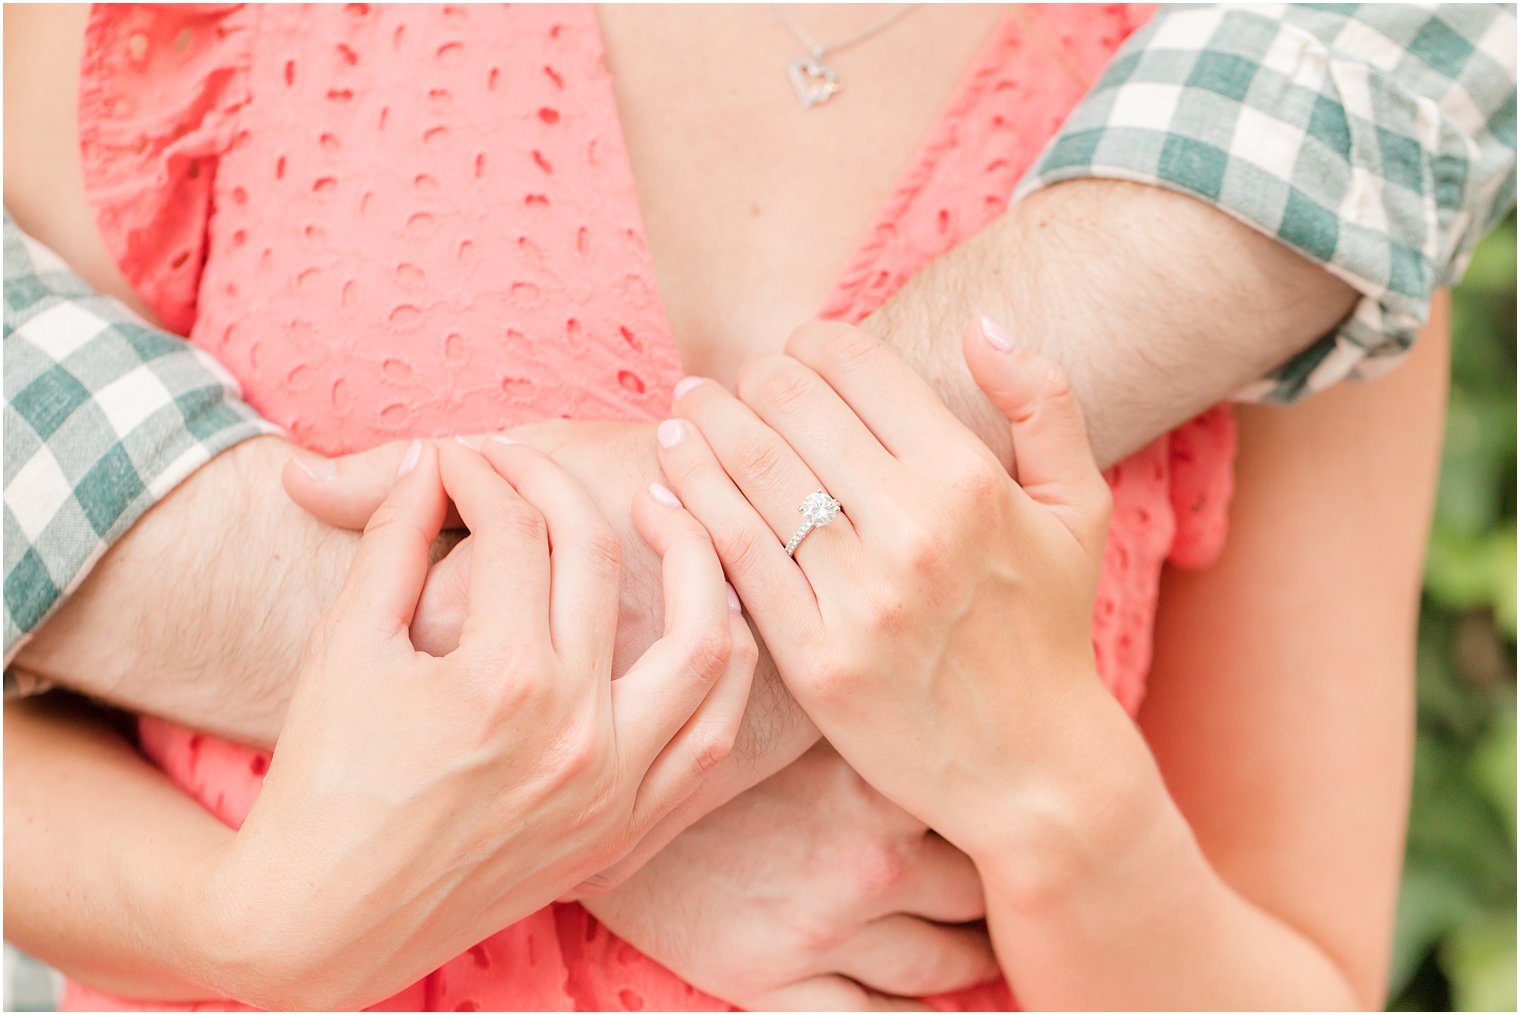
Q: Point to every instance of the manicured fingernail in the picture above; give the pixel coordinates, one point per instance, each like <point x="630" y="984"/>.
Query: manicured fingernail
<point x="664" y="495"/>
<point x="409" y="460"/>
<point x="503" y="439"/>
<point x="670" y="433"/>
<point x="323" y="469"/>
<point x="473" y="443"/>
<point x="733" y="599"/>
<point x="996" y="336"/>
<point x="685" y="384"/>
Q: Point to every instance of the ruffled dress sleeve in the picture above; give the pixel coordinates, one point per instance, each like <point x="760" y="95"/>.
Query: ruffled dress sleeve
<point x="160" y="88"/>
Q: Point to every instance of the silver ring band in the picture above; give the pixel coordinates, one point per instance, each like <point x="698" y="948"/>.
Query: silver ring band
<point x="796" y="541"/>
<point x="817" y="509"/>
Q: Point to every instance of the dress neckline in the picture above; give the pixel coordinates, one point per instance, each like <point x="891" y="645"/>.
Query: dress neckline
<point x="838" y="301"/>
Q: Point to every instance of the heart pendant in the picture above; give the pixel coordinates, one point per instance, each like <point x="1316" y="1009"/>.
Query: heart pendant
<point x="814" y="81"/>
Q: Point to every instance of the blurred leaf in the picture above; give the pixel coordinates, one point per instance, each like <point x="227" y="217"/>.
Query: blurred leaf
<point x="1455" y="941"/>
<point x="1493" y="265"/>
<point x="1480" y="960"/>
<point x="1502" y="558"/>
<point x="1493" y="767"/>
<point x="1431" y="904"/>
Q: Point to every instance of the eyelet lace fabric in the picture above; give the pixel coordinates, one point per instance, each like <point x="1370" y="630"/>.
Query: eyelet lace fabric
<point x="394" y="221"/>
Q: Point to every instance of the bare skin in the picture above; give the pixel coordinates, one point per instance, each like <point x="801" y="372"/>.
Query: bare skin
<point x="726" y="300"/>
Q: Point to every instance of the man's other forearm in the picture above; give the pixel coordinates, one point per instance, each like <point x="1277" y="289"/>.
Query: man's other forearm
<point x="201" y="611"/>
<point x="1157" y="306"/>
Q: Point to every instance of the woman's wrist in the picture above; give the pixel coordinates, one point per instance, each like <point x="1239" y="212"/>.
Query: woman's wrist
<point x="1071" y="808"/>
<point x="241" y="932"/>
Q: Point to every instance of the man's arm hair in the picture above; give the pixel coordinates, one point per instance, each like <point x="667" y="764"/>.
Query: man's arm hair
<point x="1158" y="306"/>
<point x="201" y="612"/>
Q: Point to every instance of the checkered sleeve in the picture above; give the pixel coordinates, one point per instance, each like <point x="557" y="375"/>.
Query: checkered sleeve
<point x="1378" y="140"/>
<point x="104" y="415"/>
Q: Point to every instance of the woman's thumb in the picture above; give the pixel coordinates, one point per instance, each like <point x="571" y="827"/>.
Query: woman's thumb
<point x="1053" y="461"/>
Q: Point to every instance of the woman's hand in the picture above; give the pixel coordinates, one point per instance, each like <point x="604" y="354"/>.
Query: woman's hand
<point x="938" y="631"/>
<point x="416" y="804"/>
<point x="615" y="462"/>
<point x="811" y="891"/>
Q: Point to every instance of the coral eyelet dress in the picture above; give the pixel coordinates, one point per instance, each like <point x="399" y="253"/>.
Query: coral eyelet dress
<point x="390" y="221"/>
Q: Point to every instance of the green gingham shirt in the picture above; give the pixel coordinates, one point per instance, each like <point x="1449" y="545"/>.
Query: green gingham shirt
<point x="104" y="415"/>
<point x="1377" y="140"/>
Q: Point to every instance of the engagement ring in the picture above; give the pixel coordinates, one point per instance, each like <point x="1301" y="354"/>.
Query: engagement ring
<point x="818" y="509"/>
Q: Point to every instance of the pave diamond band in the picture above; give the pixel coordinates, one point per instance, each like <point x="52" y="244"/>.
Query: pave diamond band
<point x="817" y="509"/>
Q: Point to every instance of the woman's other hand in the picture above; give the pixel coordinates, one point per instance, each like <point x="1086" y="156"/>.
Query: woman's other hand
<point x="938" y="631"/>
<point x="416" y="803"/>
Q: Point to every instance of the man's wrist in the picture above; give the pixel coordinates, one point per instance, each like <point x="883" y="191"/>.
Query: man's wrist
<point x="201" y="612"/>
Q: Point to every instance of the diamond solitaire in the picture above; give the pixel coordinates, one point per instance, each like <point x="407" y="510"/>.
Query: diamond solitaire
<point x="818" y="509"/>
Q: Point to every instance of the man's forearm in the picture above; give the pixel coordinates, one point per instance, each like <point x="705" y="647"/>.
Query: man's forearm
<point x="200" y="613"/>
<point x="1157" y="306"/>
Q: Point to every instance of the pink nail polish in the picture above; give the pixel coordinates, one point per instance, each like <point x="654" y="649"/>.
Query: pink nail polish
<point x="409" y="460"/>
<point x="685" y="384"/>
<point x="996" y="336"/>
<point x="473" y="443"/>
<point x="499" y="438"/>
<point x="670" y="433"/>
<point x="321" y="469"/>
<point x="733" y="599"/>
<point x="664" y="495"/>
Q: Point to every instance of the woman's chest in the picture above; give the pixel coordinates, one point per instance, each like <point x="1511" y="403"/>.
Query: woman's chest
<point x="752" y="204"/>
<point x="424" y="223"/>
<point x="427" y="218"/>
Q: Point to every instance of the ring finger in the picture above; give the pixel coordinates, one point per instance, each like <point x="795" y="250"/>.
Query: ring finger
<point x="765" y="468"/>
<point x="773" y="590"/>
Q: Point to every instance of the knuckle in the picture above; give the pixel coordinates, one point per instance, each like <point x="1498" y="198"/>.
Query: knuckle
<point x="977" y="477"/>
<point x="522" y="673"/>
<point x="523" y="520"/>
<point x="604" y="550"/>
<point x="692" y="533"/>
<point x="743" y="651"/>
<point x="578" y="754"/>
<point x="386" y="519"/>
<point x="886" y="616"/>
<point x="832" y="342"/>
<point x="1056" y="387"/>
<point x="777" y="381"/>
<point x="832" y="682"/>
<point x="881" y="871"/>
<point x="740" y="550"/>
<point x="927" y="552"/>
<point x="818" y="934"/>
<point x="708" y="653"/>
<point x="712" y="745"/>
<point x="761" y="458"/>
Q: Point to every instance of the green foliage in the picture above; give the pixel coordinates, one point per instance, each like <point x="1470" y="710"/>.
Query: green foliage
<point x="1455" y="946"/>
